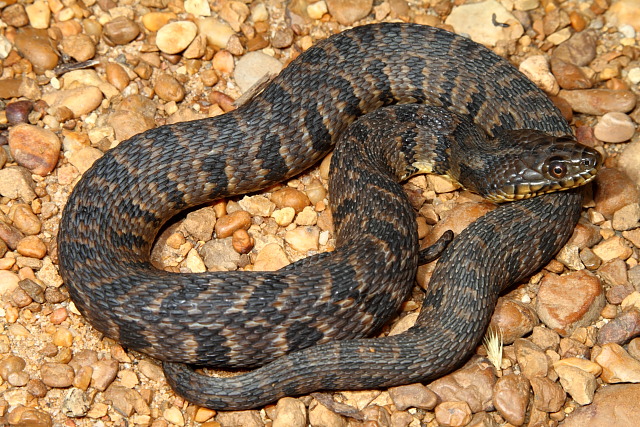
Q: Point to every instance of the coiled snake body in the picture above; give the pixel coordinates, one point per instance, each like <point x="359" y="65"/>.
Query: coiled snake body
<point x="245" y="319"/>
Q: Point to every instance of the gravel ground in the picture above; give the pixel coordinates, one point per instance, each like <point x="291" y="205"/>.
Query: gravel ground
<point x="80" y="76"/>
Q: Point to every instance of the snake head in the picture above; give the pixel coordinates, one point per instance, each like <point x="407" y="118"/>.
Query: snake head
<point x="528" y="163"/>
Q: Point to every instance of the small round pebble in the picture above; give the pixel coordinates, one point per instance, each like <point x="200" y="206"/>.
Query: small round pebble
<point x="35" y="148"/>
<point x="169" y="89"/>
<point x="120" y="30"/>
<point x="614" y="127"/>
<point x="176" y="36"/>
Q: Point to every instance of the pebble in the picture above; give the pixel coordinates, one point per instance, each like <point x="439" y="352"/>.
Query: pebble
<point x="472" y="384"/>
<point x="79" y="46"/>
<point x="226" y="225"/>
<point x="84" y="158"/>
<point x="200" y="224"/>
<point x="39" y="14"/>
<point x="15" y="15"/>
<point x="475" y="19"/>
<point x="151" y="370"/>
<point x="242" y="242"/>
<point x="104" y="372"/>
<point x="242" y="418"/>
<point x="626" y="218"/>
<point x="570" y="301"/>
<point x="16" y="183"/>
<point x="257" y="205"/>
<point x="514" y="319"/>
<point x="197" y="7"/>
<point x="531" y="358"/>
<point x="452" y="413"/>
<point x="569" y="76"/>
<point x="579" y="50"/>
<point x="614" y="273"/>
<point x="284" y="216"/>
<point x="176" y="36"/>
<point x="346" y="12"/>
<point x="613" y="247"/>
<point x="10" y="365"/>
<point x="219" y="255"/>
<point x="290" y="197"/>
<point x="614" y="127"/>
<point x="18" y="112"/>
<point x="32" y="246"/>
<point x="290" y="412"/>
<point x="270" y="258"/>
<point x="57" y="375"/>
<point x="23" y="416"/>
<point x="614" y="405"/>
<point x="217" y="33"/>
<point x="614" y="191"/>
<point x="168" y="88"/>
<point x="24" y="219"/>
<point x="80" y="101"/>
<point x="536" y="68"/>
<point x="253" y="67"/>
<point x="413" y="396"/>
<point x="629" y="161"/>
<point x="599" y="101"/>
<point x="120" y="30"/>
<point x="35" y="46"/>
<point x="303" y="239"/>
<point x="581" y="385"/>
<point x="174" y="416"/>
<point x="153" y="21"/>
<point x="8" y="282"/>
<point x="617" y="365"/>
<point x="511" y="398"/>
<point x="35" y="148"/>
<point x="548" y="396"/>
<point x="624" y="12"/>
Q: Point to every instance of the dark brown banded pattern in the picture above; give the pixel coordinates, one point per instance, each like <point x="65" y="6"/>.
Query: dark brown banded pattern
<point x="248" y="318"/>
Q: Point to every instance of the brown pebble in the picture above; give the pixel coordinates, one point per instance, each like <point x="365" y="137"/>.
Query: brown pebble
<point x="32" y="246"/>
<point x="35" y="148"/>
<point x="282" y="38"/>
<point x="413" y="396"/>
<point x="18" y="112"/>
<point x="120" y="30"/>
<point x="10" y="235"/>
<point x="54" y="295"/>
<point x="57" y="375"/>
<point x="223" y="62"/>
<point x="32" y="289"/>
<point x="614" y="190"/>
<point x="15" y="16"/>
<point x="223" y="100"/>
<point x="547" y="395"/>
<point x="514" y="319"/>
<point x="37" y="388"/>
<point x="511" y="398"/>
<point x="20" y="298"/>
<point x="621" y="329"/>
<point x="209" y="77"/>
<point x="599" y="101"/>
<point x="22" y="416"/>
<point x="10" y="365"/>
<point x="80" y="47"/>
<point x="453" y="413"/>
<point x="58" y="315"/>
<point x="169" y="89"/>
<point x="242" y="242"/>
<point x="25" y="220"/>
<point x="290" y="197"/>
<point x="35" y="46"/>
<point x="569" y="76"/>
<point x="104" y="372"/>
<point x="232" y="222"/>
<point x="117" y="76"/>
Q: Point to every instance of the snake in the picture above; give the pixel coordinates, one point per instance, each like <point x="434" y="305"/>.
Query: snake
<point x="301" y="326"/>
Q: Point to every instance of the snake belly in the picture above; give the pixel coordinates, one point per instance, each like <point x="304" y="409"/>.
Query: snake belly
<point x="236" y="319"/>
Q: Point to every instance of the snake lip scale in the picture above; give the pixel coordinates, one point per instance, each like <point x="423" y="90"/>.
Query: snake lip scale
<point x="303" y="323"/>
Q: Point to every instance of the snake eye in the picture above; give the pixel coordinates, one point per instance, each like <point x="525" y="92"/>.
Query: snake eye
<point x="557" y="169"/>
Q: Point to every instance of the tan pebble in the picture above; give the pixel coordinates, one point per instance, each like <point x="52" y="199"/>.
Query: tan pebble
<point x="80" y="47"/>
<point x="613" y="247"/>
<point x="217" y="33"/>
<point x="232" y="222"/>
<point x="169" y="89"/>
<point x="128" y="378"/>
<point x="348" y="12"/>
<point x="569" y="76"/>
<point x="614" y="191"/>
<point x="290" y="412"/>
<point x="257" y="205"/>
<point x="15" y="16"/>
<point x="204" y="414"/>
<point x="129" y="123"/>
<point x="24" y="416"/>
<point x="567" y="302"/>
<point x="599" y="101"/>
<point x="223" y="62"/>
<point x="303" y="239"/>
<point x="531" y="358"/>
<point x="8" y="281"/>
<point x="120" y="30"/>
<point x="209" y="77"/>
<point x="18" y="379"/>
<point x="308" y="216"/>
<point x="197" y="7"/>
<point x="194" y="262"/>
<point x="82" y="379"/>
<point x="153" y="21"/>
<point x="317" y="10"/>
<point x="626" y="218"/>
<point x="62" y="337"/>
<point x="548" y="396"/>
<point x="151" y="370"/>
<point x="242" y="242"/>
<point x="270" y="258"/>
<point x="259" y="12"/>
<point x="174" y="416"/>
<point x="197" y="49"/>
<point x="283" y="216"/>
<point x="37" y="388"/>
<point x="442" y="184"/>
<point x="80" y="101"/>
<point x="32" y="246"/>
<point x="413" y="396"/>
<point x="579" y="363"/>
<point x="453" y="413"/>
<point x="581" y="385"/>
<point x="617" y="365"/>
<point x="235" y="13"/>
<point x="514" y="319"/>
<point x="176" y="36"/>
<point x="290" y="197"/>
<point x="253" y="68"/>
<point x="39" y="14"/>
<point x="10" y="365"/>
<point x="57" y="375"/>
<point x="536" y="68"/>
<point x="104" y="372"/>
<point x="578" y="22"/>
<point x="511" y="398"/>
<point x="614" y="127"/>
<point x="84" y="158"/>
<point x="117" y="76"/>
<point x="35" y="148"/>
<point x="25" y="220"/>
<point x="20" y="298"/>
<point x="315" y="191"/>
<point x="58" y="315"/>
<point x="11" y="88"/>
<point x="98" y="410"/>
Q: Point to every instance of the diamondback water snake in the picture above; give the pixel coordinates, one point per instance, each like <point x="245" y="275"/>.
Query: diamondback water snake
<point x="245" y="319"/>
